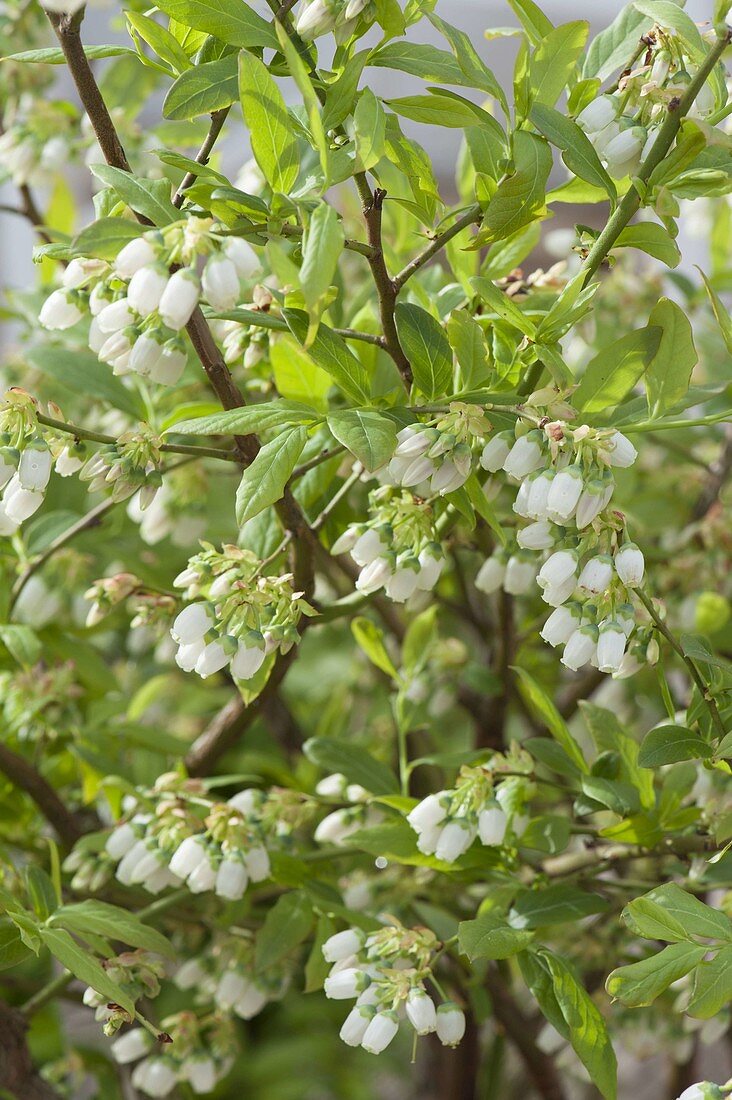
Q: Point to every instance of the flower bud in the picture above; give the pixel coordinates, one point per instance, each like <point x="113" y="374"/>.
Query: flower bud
<point x="256" y="861"/>
<point x="115" y="316"/>
<point x="629" y="565"/>
<point x="315" y="19"/>
<point x="380" y="1032"/>
<point x="247" y="660"/>
<point x="496" y="451"/>
<point x="59" y="311"/>
<point x="220" y="283"/>
<point x="450" y="1024"/>
<point x="541" y="535"/>
<point x="623" y="152"/>
<point x="525" y="456"/>
<point x="346" y="984"/>
<point x="491" y="575"/>
<point x="598" y="114"/>
<point x="492" y="824"/>
<point x="193" y="622"/>
<point x="131" y="1046"/>
<point x="179" y="299"/>
<point x="520" y="574"/>
<point x="343" y="944"/>
<point x="170" y="366"/>
<point x="455" y="839"/>
<point x="135" y="255"/>
<point x="231" y="879"/>
<point x="146" y="289"/>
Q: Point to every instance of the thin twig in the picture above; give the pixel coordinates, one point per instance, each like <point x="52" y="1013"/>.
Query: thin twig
<point x="470" y="217"/>
<point x="187" y="449"/>
<point x="218" y="118"/>
<point x="386" y="288"/>
<point x="68" y="825"/>
<point x="696" y="676"/>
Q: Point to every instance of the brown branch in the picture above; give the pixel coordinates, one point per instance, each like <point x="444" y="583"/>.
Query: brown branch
<point x="386" y="288"/>
<point x="67" y="30"/>
<point x="218" y="118"/>
<point x="18" y="1076"/>
<point x="522" y="1033"/>
<point x="68" y="825"/>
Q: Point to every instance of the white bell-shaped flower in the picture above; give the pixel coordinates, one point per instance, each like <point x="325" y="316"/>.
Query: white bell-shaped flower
<point x="455" y="839"/>
<point x="380" y="1032"/>
<point x="610" y="646"/>
<point x="179" y="299"/>
<point x="492" y="825"/>
<point x="421" y="1011"/>
<point x="496" y="451"/>
<point x="220" y="283"/>
<point x="131" y="1046"/>
<point x="146" y="289"/>
<point x="597" y="574"/>
<point x="135" y="255"/>
<point x="193" y="622"/>
<point x="346" y="984"/>
<point x="356" y="1023"/>
<point x="580" y="648"/>
<point x="34" y="468"/>
<point x="526" y="455"/>
<point x="561" y="625"/>
<point x="242" y="255"/>
<point x="450" y="1024"/>
<point x="60" y="311"/>
<point x="629" y="564"/>
<point x="491" y="575"/>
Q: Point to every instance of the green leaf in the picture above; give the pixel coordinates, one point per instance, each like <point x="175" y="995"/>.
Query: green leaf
<point x="668" y="14"/>
<point x="54" y="55"/>
<point x="546" y="712"/>
<point x="503" y="306"/>
<point x="476" y="71"/>
<point x="721" y="314"/>
<point x="587" y="1030"/>
<point x="638" y="984"/>
<point x="420" y="59"/>
<point x="273" y="139"/>
<point x="264" y="481"/>
<point x="231" y="21"/>
<point x="520" y="199"/>
<point x="22" y="643"/>
<point x="371" y="640"/>
<point x="104" y="238"/>
<point x="112" y="922"/>
<point x="669" y="373"/>
<point x="554" y="905"/>
<point x="358" y="765"/>
<point x="439" y="109"/>
<point x="489" y="937"/>
<point x="554" y="60"/>
<point x="161" y="41"/>
<point x="712" y="988"/>
<point x="285" y="927"/>
<point x="652" y="238"/>
<point x="248" y="419"/>
<point x="296" y="375"/>
<point x="80" y="373"/>
<point x="331" y="352"/>
<point x="468" y="343"/>
<point x="369" y="130"/>
<point x="12" y="948"/>
<point x="668" y="913"/>
<point x="151" y="198"/>
<point x="208" y="87"/>
<point x="321" y="249"/>
<point x="84" y="966"/>
<point x="578" y="153"/>
<point x="427" y="349"/>
<point x="669" y="745"/>
<point x="316" y="133"/>
<point x="533" y="20"/>
<point x="41" y="891"/>
<point x="614" y="371"/>
<point x="614" y="46"/>
<point x="368" y="435"/>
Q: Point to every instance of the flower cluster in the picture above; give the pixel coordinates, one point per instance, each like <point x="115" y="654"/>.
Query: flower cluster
<point x="623" y="127"/>
<point x="193" y="1051"/>
<point x="440" y="455"/>
<point x="448" y="822"/>
<point x="318" y="17"/>
<point x="187" y="837"/>
<point x="225" y="975"/>
<point x="138" y="973"/>
<point x="566" y="484"/>
<point x="132" y="464"/>
<point x="138" y="307"/>
<point x="25" y="461"/>
<point x="38" y="143"/>
<point x="397" y="549"/>
<point x="385" y="973"/>
<point x="242" y="618"/>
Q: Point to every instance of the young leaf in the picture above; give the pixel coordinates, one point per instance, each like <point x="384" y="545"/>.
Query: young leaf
<point x="369" y="129"/>
<point x="371" y="640"/>
<point x="554" y="905"/>
<point x="321" y="249"/>
<point x="274" y="143"/>
<point x="286" y="925"/>
<point x="712" y="989"/>
<point x="248" y="419"/>
<point x="554" y="60"/>
<point x="490" y="937"/>
<point x="615" y="46"/>
<point x="578" y="153"/>
<point x="615" y="370"/>
<point x="545" y="710"/>
<point x="151" y="198"/>
<point x="640" y="983"/>
<point x="669" y="372"/>
<point x="668" y="913"/>
<point x="263" y="482"/>
<point x="331" y="352"/>
<point x="426" y="347"/>
<point x="358" y="765"/>
<point x="232" y="21"/>
<point x="84" y="966"/>
<point x="368" y="435"/>
<point x="208" y="87"/>
<point x="112" y="922"/>
<point x="520" y="199"/>
<point x="587" y="1029"/>
<point x="533" y="20"/>
<point x="669" y="745"/>
<point x="652" y="238"/>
